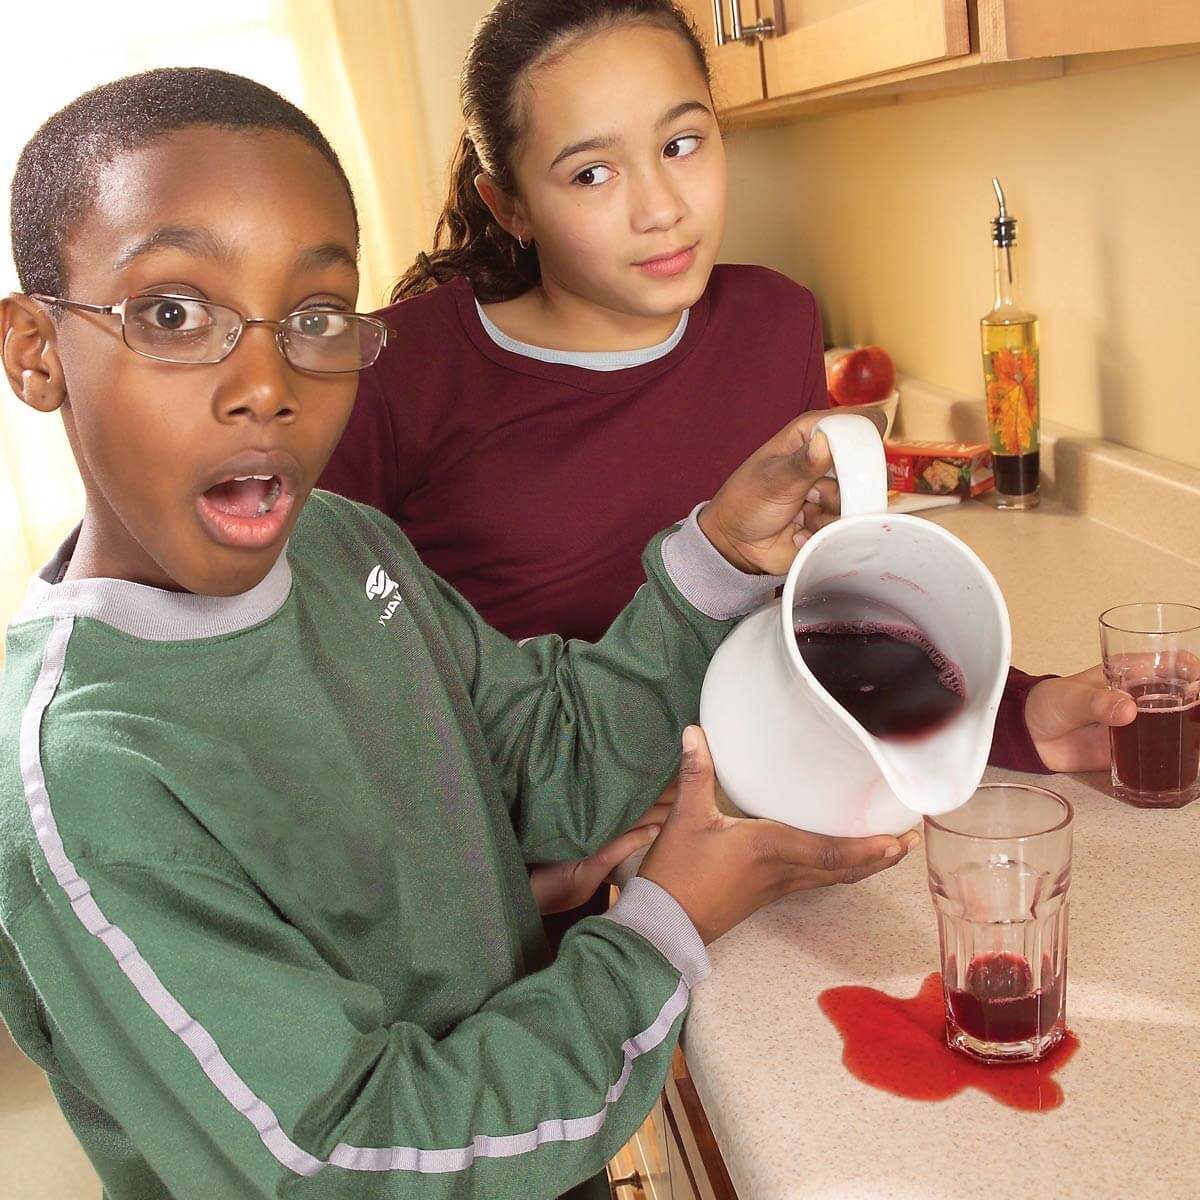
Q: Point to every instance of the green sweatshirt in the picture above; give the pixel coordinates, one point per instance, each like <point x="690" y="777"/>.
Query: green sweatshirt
<point x="265" y="918"/>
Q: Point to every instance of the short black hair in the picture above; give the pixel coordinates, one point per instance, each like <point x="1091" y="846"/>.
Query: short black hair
<point x="54" y="183"/>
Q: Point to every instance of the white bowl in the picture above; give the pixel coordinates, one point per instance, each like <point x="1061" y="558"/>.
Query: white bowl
<point x="887" y="406"/>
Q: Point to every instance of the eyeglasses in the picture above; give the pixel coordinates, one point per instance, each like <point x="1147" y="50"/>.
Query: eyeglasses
<point x="183" y="329"/>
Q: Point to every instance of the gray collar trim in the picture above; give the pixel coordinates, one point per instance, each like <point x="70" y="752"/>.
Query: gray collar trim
<point x="151" y="613"/>
<point x="590" y="360"/>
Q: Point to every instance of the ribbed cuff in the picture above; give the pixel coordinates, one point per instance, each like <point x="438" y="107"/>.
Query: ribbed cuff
<point x="710" y="583"/>
<point x="654" y="913"/>
<point x="1012" y="743"/>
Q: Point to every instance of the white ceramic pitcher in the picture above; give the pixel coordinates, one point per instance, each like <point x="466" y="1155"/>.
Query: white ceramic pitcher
<point x="781" y="745"/>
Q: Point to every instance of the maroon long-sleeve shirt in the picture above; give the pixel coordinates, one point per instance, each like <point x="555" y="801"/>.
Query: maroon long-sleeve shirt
<point x="533" y="486"/>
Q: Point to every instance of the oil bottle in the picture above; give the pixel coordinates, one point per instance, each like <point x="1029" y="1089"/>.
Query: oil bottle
<point x="1010" y="372"/>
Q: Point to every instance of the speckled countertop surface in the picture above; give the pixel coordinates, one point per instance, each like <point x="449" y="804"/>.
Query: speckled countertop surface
<point x="792" y="1122"/>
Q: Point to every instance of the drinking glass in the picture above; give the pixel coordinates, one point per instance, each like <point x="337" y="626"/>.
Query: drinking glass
<point x="1000" y="872"/>
<point x="1152" y="651"/>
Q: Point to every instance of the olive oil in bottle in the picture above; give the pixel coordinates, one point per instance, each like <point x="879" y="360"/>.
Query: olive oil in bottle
<point x="1009" y="336"/>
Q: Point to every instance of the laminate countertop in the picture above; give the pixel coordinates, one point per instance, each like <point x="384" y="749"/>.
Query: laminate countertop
<point x="793" y="1122"/>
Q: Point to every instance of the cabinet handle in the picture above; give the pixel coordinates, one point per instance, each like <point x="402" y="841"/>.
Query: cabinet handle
<point x="630" y="1181"/>
<point x="740" y="32"/>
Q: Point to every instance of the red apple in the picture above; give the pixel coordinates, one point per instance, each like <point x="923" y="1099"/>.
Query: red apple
<point x="862" y="376"/>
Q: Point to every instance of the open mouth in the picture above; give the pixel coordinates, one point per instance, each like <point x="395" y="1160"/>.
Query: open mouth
<point x="247" y="510"/>
<point x="246" y="496"/>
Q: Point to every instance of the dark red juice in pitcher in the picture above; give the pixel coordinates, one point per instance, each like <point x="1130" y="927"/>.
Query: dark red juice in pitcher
<point x="889" y="677"/>
<point x="1160" y="751"/>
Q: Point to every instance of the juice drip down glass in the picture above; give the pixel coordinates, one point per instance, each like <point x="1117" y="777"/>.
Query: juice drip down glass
<point x="1000" y="873"/>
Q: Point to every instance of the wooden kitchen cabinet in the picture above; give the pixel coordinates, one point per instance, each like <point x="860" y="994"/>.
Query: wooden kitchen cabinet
<point x="682" y="1188"/>
<point x="737" y="67"/>
<point x="641" y="1171"/>
<point x="697" y="1170"/>
<point x="822" y="55"/>
<point x="674" y="1155"/>
<point x="816" y="43"/>
<point x="819" y="43"/>
<point x="1018" y="29"/>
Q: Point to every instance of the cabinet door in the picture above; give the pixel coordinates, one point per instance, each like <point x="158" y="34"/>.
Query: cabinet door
<point x="681" y="1176"/>
<point x="1036" y="29"/>
<point x="821" y="43"/>
<point x="651" y="1144"/>
<point x="737" y="67"/>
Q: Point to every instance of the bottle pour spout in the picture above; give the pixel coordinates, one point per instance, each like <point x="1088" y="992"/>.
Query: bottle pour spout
<point x="1004" y="227"/>
<point x="999" y="197"/>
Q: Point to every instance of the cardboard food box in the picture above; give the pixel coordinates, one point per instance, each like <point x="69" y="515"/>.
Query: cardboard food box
<point x="939" y="468"/>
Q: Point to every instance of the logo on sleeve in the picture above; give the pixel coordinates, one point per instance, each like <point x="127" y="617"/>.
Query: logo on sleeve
<point x="380" y="585"/>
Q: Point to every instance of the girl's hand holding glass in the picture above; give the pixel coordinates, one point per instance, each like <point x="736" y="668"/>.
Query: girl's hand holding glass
<point x="1069" y="719"/>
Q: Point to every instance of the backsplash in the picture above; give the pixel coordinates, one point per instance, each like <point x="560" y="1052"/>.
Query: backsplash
<point x="880" y="213"/>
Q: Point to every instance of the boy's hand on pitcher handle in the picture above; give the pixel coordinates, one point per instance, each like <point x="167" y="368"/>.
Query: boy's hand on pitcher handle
<point x="722" y="869"/>
<point x="777" y="499"/>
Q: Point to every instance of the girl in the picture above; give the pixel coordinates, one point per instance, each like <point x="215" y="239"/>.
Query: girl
<point x="572" y="368"/>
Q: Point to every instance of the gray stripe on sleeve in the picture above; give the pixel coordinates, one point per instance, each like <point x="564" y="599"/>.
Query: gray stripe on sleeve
<point x="709" y="582"/>
<point x="653" y="912"/>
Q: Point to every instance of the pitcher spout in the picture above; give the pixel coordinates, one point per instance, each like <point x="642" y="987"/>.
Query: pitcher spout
<point x="938" y="771"/>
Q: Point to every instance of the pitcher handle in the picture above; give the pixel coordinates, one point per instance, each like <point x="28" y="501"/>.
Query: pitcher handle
<point x="859" y="465"/>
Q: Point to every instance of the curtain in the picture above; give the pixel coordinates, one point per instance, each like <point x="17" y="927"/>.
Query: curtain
<point x="348" y="63"/>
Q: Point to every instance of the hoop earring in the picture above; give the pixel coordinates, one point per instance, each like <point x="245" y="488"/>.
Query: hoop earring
<point x="523" y="243"/>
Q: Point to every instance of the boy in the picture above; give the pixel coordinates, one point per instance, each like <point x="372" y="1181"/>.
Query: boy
<point x="269" y="787"/>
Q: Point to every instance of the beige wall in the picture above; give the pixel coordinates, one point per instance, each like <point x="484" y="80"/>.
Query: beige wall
<point x="884" y="213"/>
<point x="441" y="34"/>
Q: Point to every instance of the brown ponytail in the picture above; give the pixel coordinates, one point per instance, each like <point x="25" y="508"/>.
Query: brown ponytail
<point x="468" y="241"/>
<point x="511" y="39"/>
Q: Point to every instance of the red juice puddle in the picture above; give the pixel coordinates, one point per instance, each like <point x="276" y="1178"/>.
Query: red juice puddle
<point x="899" y="1046"/>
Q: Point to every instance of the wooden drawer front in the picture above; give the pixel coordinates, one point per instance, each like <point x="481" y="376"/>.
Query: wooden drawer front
<point x="645" y="1157"/>
<point x="822" y="43"/>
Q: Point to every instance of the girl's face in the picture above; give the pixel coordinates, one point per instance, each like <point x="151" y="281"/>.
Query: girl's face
<point x="621" y="172"/>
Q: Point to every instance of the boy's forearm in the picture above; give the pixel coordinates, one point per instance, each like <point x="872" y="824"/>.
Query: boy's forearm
<point x="266" y="1068"/>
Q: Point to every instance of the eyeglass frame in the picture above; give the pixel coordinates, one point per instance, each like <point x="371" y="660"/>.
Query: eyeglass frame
<point x="118" y="310"/>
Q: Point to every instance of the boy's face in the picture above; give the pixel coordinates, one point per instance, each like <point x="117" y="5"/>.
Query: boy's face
<point x="255" y="221"/>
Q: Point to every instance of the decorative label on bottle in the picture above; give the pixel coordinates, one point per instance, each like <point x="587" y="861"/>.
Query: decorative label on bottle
<point x="1011" y="376"/>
